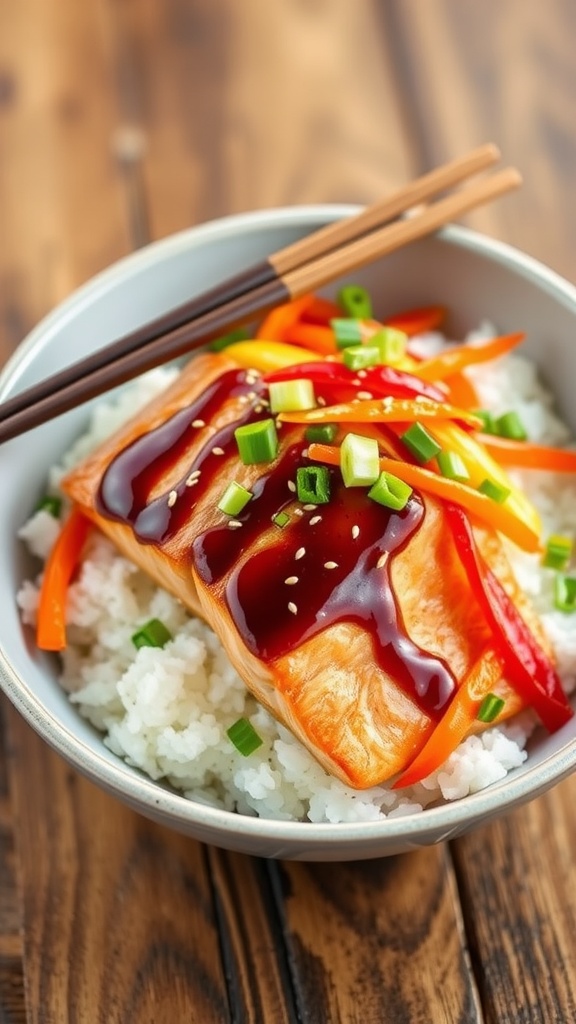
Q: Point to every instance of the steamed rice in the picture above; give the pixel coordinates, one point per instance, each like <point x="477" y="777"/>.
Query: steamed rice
<point x="166" y="711"/>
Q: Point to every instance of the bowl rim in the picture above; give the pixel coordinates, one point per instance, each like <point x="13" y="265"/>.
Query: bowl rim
<point x="130" y="784"/>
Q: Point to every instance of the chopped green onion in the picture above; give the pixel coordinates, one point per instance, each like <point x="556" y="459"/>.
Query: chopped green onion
<point x="358" y="357"/>
<point x="257" y="442"/>
<point x="420" y="443"/>
<point x="347" y="332"/>
<point x="240" y="334"/>
<point x="452" y="466"/>
<point x="498" y="492"/>
<point x="291" y="395"/>
<point x="281" y="519"/>
<point x="510" y="425"/>
<point x="152" y="634"/>
<point x="355" y="301"/>
<point x="313" y="484"/>
<point x="359" y="460"/>
<point x="557" y="552"/>
<point x="565" y="593"/>
<point x="244" y="737"/>
<point x="50" y="503"/>
<point x="321" y="433"/>
<point x="488" y="424"/>
<point x="490" y="708"/>
<point x="390" y="491"/>
<point x="391" y="344"/>
<point x="234" y="499"/>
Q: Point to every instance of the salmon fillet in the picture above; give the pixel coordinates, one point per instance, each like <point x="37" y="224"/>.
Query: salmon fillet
<point x="352" y="624"/>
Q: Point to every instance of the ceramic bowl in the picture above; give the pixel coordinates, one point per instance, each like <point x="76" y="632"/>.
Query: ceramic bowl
<point x="476" y="278"/>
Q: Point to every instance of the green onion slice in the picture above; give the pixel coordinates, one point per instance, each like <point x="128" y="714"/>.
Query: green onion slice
<point x="50" y="503"/>
<point x="355" y="301"/>
<point x="257" y="442"/>
<point x="358" y="357"/>
<point x="281" y="519"/>
<point x="557" y="552"/>
<point x="347" y="332"/>
<point x="490" y="708"/>
<point x="492" y="489"/>
<point x="391" y="344"/>
<point x="452" y="466"/>
<point x="565" y="593"/>
<point x="390" y="491"/>
<point x="421" y="443"/>
<point x="234" y="499"/>
<point x="359" y="460"/>
<point x="239" y="334"/>
<point x="321" y="433"/>
<point x="488" y="423"/>
<point x="291" y="395"/>
<point x="244" y="737"/>
<point x="313" y="484"/>
<point x="152" y="634"/>
<point x="510" y="425"/>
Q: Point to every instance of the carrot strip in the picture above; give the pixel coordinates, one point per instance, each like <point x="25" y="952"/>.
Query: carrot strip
<point x="281" y="318"/>
<point x="455" y="724"/>
<point x="452" y="360"/>
<point x="382" y="410"/>
<point x="267" y="356"/>
<point x="417" y="321"/>
<point x="58" y="571"/>
<point x="498" y="516"/>
<point x="462" y="391"/>
<point x="527" y="455"/>
<point x="321" y="311"/>
<point x="316" y="337"/>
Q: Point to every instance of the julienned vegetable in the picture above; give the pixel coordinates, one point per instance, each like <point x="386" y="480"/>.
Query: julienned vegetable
<point x="60" y="567"/>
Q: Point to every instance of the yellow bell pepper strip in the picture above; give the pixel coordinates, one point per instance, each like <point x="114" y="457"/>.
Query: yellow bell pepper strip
<point x="268" y="355"/>
<point x="417" y="321"/>
<point x="527" y="667"/>
<point x="456" y="721"/>
<point x="498" y="516"/>
<point x="58" y="572"/>
<point x="382" y="410"/>
<point x="281" y="318"/>
<point x="454" y="359"/>
<point x="526" y="455"/>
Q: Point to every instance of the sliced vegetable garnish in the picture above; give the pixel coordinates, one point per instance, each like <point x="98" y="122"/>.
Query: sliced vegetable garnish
<point x="381" y="381"/>
<point x="526" y="455"/>
<point x="355" y="301"/>
<point x="457" y="357"/>
<point x="565" y="592"/>
<point x="347" y="332"/>
<point x="239" y="334"/>
<point x="417" y="321"/>
<point x="317" y="337"/>
<point x="358" y="357"/>
<point x="279" y="320"/>
<point x="234" y="499"/>
<point x="497" y="492"/>
<point x="313" y="484"/>
<point x="58" y="572"/>
<point x="359" y="460"/>
<point x="390" y="491"/>
<point x="510" y="425"/>
<point x="322" y="433"/>
<point x="488" y="423"/>
<point x="490" y="708"/>
<point x="452" y="466"/>
<point x="420" y="443"/>
<point x="268" y="355"/>
<point x="391" y="344"/>
<point x="257" y="442"/>
<point x="384" y="410"/>
<point x="557" y="552"/>
<point x="288" y="395"/>
<point x="51" y="504"/>
<point x="281" y="519"/>
<point x="244" y="737"/>
<point x="152" y="634"/>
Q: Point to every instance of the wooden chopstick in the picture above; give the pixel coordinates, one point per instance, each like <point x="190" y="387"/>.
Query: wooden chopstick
<point x="146" y="348"/>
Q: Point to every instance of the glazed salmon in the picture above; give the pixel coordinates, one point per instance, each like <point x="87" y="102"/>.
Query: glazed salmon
<point x="352" y="623"/>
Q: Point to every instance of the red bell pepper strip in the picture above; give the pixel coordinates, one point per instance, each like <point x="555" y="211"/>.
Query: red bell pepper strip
<point x="279" y="320"/>
<point x="320" y="311"/>
<point x="526" y="666"/>
<point x="380" y="381"/>
<point x="58" y="571"/>
<point x="417" y="321"/>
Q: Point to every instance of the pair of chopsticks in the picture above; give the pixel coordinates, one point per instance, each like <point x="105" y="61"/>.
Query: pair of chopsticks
<point x="304" y="266"/>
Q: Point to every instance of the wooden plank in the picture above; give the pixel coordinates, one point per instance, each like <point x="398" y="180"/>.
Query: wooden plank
<point x="12" y="1004"/>
<point x="378" y="942"/>
<point x="520" y="910"/>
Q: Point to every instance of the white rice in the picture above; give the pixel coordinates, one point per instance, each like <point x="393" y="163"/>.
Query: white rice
<point x="166" y="711"/>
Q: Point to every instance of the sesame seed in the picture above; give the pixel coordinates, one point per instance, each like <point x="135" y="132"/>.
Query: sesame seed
<point x="234" y="524"/>
<point x="330" y="565"/>
<point x="191" y="481"/>
<point x="172" y="498"/>
<point x="300" y="553"/>
<point x="362" y="373"/>
<point x="309" y="508"/>
<point x="291" y="486"/>
<point x="252" y="395"/>
<point x="292" y="607"/>
<point x="305" y="453"/>
<point x="291" y="580"/>
<point x="315" y="519"/>
<point x="365" y="396"/>
<point x="355" y="532"/>
<point x="258" y="408"/>
<point x="388" y="402"/>
<point x="298" y="511"/>
<point x="320" y="400"/>
<point x="382" y="560"/>
<point x="217" y="450"/>
<point x="253" y="372"/>
<point x="198" y="423"/>
<point x="355" y="380"/>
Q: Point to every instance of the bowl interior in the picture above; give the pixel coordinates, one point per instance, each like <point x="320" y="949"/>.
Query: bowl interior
<point x="475" y="278"/>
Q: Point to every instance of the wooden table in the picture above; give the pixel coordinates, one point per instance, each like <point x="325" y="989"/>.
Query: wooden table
<point x="120" y="122"/>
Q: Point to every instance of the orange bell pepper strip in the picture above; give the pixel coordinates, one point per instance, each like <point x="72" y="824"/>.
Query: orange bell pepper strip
<point x="497" y="516"/>
<point x="462" y="391"/>
<point x="382" y="410"/>
<point x="58" y="572"/>
<point x="280" y="319"/>
<point x="454" y="359"/>
<point x="457" y="720"/>
<point x="320" y="311"/>
<point x="417" y="321"/>
<point x="317" y="337"/>
<point x="526" y="455"/>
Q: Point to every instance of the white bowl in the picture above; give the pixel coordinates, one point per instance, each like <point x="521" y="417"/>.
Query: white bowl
<point x="476" y="278"/>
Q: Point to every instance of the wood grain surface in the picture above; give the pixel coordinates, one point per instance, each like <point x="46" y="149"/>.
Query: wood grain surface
<point x="122" y="121"/>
